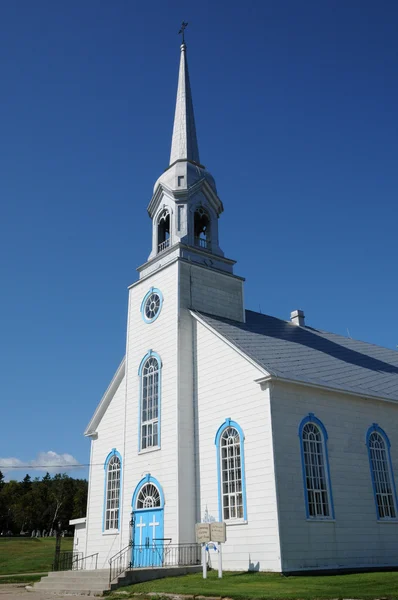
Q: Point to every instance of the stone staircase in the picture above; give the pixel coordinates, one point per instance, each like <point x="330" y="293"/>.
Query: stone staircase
<point x="94" y="583"/>
<point x="90" y="583"/>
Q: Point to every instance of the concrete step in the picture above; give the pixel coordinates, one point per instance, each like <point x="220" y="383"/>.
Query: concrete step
<point x="76" y="575"/>
<point x="71" y="587"/>
<point x="79" y="591"/>
<point x="74" y="582"/>
<point x="80" y="573"/>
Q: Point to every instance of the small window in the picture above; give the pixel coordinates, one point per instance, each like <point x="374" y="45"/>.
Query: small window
<point x="163" y="230"/>
<point x="382" y="474"/>
<point x="148" y="497"/>
<point x="313" y="438"/>
<point x="202" y="229"/>
<point x="112" y="491"/>
<point x="150" y="402"/>
<point x="231" y="475"/>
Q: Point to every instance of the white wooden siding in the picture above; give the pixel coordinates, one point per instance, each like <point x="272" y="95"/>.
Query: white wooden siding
<point x="226" y="389"/>
<point x="356" y="538"/>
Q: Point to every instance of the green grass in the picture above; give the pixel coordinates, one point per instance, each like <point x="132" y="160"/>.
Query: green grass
<point x="271" y="586"/>
<point x="28" y="555"/>
<point x="23" y="579"/>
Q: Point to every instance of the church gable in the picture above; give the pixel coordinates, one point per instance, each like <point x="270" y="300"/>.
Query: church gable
<point x="106" y="400"/>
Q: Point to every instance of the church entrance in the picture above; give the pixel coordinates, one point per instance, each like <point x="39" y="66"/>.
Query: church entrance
<point x="147" y="530"/>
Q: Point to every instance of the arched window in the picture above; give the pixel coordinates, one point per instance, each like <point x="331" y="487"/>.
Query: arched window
<point x="315" y="465"/>
<point x="202" y="229"/>
<point x="113" y="468"/>
<point x="150" y="401"/>
<point x="163" y="230"/>
<point x="382" y="474"/>
<point x="148" y="497"/>
<point x="231" y="472"/>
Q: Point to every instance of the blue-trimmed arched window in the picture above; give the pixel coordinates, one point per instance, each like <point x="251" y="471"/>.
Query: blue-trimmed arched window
<point x="382" y="473"/>
<point x="150" y="373"/>
<point x="315" y="466"/>
<point x="113" y="479"/>
<point x="231" y="472"/>
<point x="148" y="494"/>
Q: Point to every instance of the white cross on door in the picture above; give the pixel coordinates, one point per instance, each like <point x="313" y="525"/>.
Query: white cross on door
<point x="140" y="525"/>
<point x="154" y="524"/>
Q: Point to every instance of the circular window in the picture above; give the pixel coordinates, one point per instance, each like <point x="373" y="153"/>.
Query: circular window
<point x="151" y="305"/>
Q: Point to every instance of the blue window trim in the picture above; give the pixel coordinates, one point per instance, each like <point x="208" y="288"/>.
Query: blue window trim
<point x="147" y="479"/>
<point x="151" y="291"/>
<point x="111" y="454"/>
<point x="150" y="354"/>
<point x="311" y="418"/>
<point x="372" y="428"/>
<point x="229" y="423"/>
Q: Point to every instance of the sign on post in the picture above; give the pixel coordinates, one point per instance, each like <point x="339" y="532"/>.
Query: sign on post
<point x="215" y="532"/>
<point x="202" y="537"/>
<point x="202" y="533"/>
<point x="218" y="532"/>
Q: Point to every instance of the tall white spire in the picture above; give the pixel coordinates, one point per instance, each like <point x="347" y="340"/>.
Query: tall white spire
<point x="184" y="144"/>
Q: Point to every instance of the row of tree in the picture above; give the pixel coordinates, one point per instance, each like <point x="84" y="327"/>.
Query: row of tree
<point x="41" y="504"/>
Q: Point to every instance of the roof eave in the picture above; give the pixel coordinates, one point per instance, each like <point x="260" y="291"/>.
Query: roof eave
<point x="105" y="400"/>
<point x="325" y="387"/>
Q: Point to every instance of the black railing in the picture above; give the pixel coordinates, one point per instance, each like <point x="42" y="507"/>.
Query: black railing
<point x="69" y="560"/>
<point x="168" y="555"/>
<point x="119" y="563"/>
<point x="154" y="555"/>
<point x="66" y="560"/>
<point x="89" y="563"/>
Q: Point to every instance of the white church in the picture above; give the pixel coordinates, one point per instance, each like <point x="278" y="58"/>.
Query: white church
<point x="287" y="433"/>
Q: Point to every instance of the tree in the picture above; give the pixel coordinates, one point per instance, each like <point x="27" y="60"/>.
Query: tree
<point x="41" y="503"/>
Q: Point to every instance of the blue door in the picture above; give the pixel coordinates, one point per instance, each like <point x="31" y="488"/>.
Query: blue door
<point x="148" y="526"/>
<point x="148" y="538"/>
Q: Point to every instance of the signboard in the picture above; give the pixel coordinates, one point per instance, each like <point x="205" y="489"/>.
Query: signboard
<point x="202" y="533"/>
<point x="218" y="532"/>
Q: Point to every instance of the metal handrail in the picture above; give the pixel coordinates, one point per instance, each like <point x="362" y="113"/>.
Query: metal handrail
<point x="84" y="565"/>
<point x="168" y="555"/>
<point x="65" y="560"/>
<point x="120" y="562"/>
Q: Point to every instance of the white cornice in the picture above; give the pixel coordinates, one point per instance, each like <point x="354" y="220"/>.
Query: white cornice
<point x="324" y="387"/>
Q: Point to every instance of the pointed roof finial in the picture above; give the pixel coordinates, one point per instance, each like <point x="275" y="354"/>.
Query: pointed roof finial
<point x="182" y="30"/>
<point x="184" y="144"/>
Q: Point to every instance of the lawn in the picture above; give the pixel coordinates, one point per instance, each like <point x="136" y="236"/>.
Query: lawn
<point x="28" y="555"/>
<point x="24" y="579"/>
<point x="273" y="586"/>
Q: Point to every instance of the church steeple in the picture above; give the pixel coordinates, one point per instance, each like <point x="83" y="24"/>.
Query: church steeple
<point x="184" y="143"/>
<point x="185" y="206"/>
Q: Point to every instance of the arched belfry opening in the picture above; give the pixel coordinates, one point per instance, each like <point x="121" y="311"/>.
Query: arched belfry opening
<point x="163" y="230"/>
<point x="202" y="229"/>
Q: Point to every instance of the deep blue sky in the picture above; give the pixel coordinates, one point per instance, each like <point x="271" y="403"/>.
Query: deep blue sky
<point x="296" y="113"/>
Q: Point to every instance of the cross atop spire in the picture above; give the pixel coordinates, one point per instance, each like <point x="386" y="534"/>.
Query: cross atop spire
<point x="184" y="144"/>
<point x="182" y="30"/>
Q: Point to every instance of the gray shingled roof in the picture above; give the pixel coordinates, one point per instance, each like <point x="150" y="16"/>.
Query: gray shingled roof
<point x="308" y="355"/>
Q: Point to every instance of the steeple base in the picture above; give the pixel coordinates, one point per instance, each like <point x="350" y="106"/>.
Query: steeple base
<point x="191" y="254"/>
